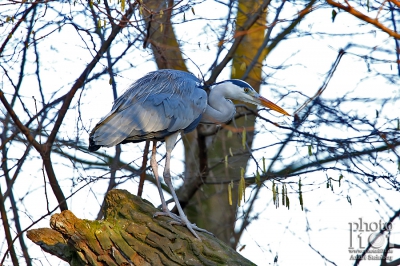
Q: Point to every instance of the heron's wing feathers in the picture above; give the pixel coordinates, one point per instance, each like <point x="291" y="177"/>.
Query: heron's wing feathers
<point x="174" y="102"/>
<point x="136" y="120"/>
<point x="166" y="81"/>
<point x="183" y="111"/>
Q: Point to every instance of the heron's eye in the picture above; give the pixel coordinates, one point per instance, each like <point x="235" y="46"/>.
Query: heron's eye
<point x="246" y="90"/>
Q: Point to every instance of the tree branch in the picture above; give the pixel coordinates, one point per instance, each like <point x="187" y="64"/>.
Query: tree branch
<point x="239" y="37"/>
<point x="14" y="29"/>
<point x="130" y="235"/>
<point x="358" y="14"/>
<point x="81" y="80"/>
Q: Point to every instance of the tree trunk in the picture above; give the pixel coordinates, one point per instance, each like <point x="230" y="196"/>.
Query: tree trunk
<point x="161" y="35"/>
<point x="129" y="235"/>
<point x="210" y="208"/>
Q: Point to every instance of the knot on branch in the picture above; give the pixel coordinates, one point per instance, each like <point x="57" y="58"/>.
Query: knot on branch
<point x="129" y="235"/>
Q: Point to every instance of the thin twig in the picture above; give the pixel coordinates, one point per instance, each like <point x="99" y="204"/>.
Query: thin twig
<point x="349" y="9"/>
<point x="143" y="169"/>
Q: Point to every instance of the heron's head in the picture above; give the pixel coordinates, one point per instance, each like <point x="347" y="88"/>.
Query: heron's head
<point x="242" y="91"/>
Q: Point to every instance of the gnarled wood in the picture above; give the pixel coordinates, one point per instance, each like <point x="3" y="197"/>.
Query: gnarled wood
<point x="129" y="235"/>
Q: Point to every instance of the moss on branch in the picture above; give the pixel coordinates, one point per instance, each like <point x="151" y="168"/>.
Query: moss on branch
<point x="129" y="235"/>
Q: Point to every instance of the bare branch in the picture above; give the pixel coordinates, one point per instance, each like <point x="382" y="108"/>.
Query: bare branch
<point x="240" y="33"/>
<point x="358" y="14"/>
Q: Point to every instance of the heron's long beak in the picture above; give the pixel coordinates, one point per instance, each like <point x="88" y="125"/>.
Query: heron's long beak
<point x="271" y="105"/>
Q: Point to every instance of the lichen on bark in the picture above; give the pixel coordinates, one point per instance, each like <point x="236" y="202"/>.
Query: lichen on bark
<point x="129" y="235"/>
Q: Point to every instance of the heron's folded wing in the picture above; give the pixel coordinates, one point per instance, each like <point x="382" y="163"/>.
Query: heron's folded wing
<point x="135" y="120"/>
<point x="156" y="105"/>
<point x="185" y="109"/>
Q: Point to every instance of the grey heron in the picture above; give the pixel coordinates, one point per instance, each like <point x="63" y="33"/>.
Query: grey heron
<point x="161" y="105"/>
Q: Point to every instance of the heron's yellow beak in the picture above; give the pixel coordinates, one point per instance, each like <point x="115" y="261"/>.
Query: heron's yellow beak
<point x="272" y="106"/>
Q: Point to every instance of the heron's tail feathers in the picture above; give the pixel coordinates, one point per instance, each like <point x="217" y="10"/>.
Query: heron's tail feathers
<point x="92" y="144"/>
<point x="110" y="132"/>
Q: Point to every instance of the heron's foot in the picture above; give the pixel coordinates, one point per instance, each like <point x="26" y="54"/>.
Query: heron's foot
<point x="166" y="212"/>
<point x="183" y="221"/>
<point x="193" y="226"/>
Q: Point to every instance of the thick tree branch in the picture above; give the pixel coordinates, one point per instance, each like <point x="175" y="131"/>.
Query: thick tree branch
<point x="130" y="235"/>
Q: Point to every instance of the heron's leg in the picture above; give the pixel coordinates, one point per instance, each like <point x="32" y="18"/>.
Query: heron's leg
<point x="170" y="143"/>
<point x="181" y="219"/>
<point x="154" y="166"/>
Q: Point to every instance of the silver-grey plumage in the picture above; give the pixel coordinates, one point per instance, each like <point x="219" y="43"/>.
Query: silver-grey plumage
<point x="158" y="104"/>
<point x="162" y="104"/>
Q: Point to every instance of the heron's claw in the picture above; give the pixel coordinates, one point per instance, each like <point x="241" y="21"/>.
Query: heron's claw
<point x="183" y="221"/>
<point x="169" y="214"/>
<point x="193" y="226"/>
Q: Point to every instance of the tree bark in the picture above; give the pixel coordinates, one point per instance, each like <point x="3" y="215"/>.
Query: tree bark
<point x="129" y="235"/>
<point x="210" y="208"/>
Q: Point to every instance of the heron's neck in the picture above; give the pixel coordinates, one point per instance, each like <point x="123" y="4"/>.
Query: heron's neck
<point x="219" y="109"/>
